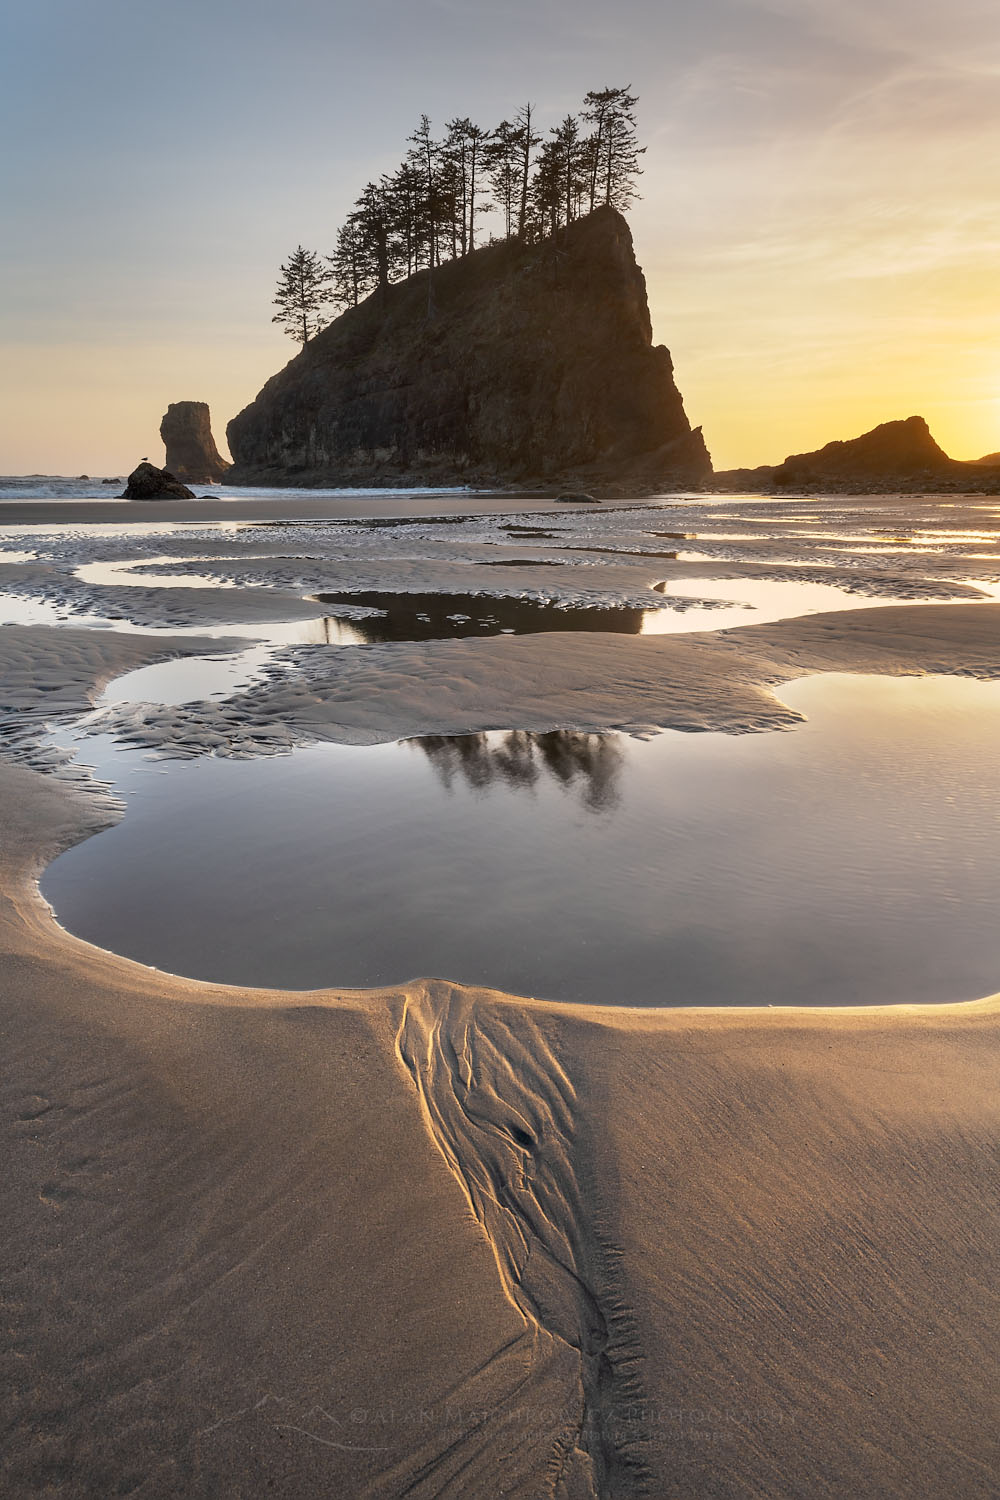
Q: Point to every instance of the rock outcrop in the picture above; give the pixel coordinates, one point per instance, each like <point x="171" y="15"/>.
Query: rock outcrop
<point x="186" y="431"/>
<point x="147" y="482"/>
<point x="522" y="364"/>
<point x="893" y="456"/>
<point x="893" y="449"/>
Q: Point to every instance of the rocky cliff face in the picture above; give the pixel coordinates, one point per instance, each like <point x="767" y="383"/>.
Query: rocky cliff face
<point x="523" y="364"/>
<point x="186" y="430"/>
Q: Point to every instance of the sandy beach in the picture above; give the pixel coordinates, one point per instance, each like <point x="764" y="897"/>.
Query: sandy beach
<point x="434" y="1240"/>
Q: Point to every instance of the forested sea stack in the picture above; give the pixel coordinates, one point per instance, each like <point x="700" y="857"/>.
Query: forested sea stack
<point x="517" y="363"/>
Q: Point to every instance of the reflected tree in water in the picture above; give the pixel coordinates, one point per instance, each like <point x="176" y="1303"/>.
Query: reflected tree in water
<point x="587" y="763"/>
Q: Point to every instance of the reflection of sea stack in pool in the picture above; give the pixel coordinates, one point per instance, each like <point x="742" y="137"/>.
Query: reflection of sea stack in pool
<point x="147" y="482"/>
<point x="591" y="762"/>
<point x="537" y="364"/>
<point x="186" y="431"/>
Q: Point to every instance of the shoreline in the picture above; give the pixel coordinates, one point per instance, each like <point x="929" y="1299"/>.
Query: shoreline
<point x="392" y="501"/>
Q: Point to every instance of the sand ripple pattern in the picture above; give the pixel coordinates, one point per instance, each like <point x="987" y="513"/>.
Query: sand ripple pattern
<point x="500" y="1108"/>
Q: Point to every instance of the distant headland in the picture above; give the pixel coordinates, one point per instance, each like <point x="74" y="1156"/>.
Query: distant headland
<point x="894" y="456"/>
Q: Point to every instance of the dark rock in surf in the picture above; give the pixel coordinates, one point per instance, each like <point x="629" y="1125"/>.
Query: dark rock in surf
<point x="150" y="483"/>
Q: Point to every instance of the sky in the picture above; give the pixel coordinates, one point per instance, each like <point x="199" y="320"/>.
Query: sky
<point x="818" y="226"/>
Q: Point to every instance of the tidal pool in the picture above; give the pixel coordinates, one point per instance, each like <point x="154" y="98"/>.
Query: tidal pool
<point x="437" y="616"/>
<point x="694" y="604"/>
<point x="853" y="859"/>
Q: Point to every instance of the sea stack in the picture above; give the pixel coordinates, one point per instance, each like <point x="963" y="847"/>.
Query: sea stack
<point x="521" y="364"/>
<point x="186" y="431"/>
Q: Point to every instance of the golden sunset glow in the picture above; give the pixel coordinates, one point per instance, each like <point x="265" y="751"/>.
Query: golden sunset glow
<point x="818" y="220"/>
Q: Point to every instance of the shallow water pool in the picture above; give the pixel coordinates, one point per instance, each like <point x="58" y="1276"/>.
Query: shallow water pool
<point x="854" y="859"/>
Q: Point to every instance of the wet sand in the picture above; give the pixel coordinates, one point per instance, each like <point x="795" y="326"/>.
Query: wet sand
<point x="273" y="507"/>
<point x="441" y="1242"/>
